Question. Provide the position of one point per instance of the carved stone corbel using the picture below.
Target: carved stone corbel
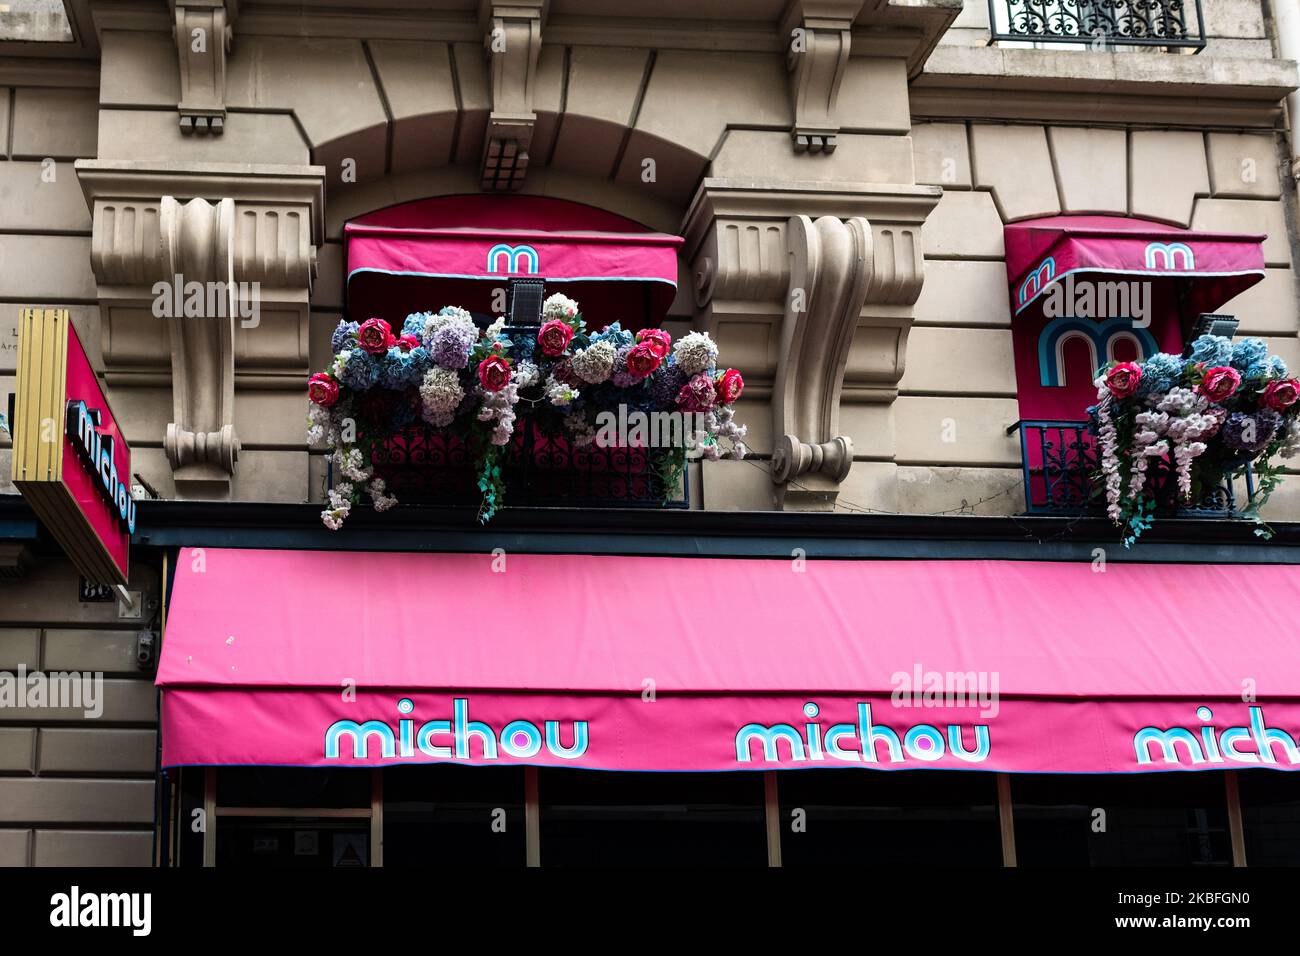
(204, 32)
(819, 41)
(815, 284)
(513, 41)
(831, 265)
(198, 247)
(204, 278)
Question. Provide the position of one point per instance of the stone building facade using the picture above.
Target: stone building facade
(865, 153)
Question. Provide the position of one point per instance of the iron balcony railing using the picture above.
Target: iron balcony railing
(1102, 24)
(1059, 460)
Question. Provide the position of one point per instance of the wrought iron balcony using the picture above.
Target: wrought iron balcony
(542, 468)
(1060, 466)
(1102, 23)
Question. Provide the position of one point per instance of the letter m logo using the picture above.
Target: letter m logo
(517, 259)
(1170, 256)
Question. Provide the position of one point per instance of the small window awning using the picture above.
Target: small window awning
(1198, 271)
(323, 659)
(411, 256)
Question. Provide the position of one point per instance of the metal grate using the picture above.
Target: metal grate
(1102, 24)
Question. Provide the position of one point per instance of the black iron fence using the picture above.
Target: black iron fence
(1100, 23)
(541, 465)
(1060, 462)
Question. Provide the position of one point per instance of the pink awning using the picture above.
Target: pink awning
(1215, 267)
(648, 663)
(578, 250)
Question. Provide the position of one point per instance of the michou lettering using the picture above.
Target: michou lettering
(1176, 744)
(859, 742)
(98, 452)
(519, 739)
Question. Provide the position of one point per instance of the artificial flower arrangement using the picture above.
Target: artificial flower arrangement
(1229, 405)
(442, 370)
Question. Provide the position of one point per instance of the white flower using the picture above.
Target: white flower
(526, 374)
(595, 363)
(381, 501)
(560, 307)
(440, 396)
(695, 352)
(558, 393)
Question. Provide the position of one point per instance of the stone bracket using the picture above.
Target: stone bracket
(189, 260)
(204, 32)
(513, 42)
(819, 39)
(833, 271)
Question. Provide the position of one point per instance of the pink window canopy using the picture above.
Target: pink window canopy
(324, 659)
(1192, 272)
(414, 256)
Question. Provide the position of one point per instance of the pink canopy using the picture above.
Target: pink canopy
(647, 663)
(404, 255)
(1215, 266)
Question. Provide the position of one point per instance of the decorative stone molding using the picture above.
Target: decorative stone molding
(198, 243)
(831, 272)
(247, 236)
(513, 42)
(819, 41)
(204, 32)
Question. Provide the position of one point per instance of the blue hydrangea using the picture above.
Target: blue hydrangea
(1213, 350)
(1247, 353)
(414, 324)
(361, 371)
(1159, 374)
(615, 334)
(1277, 368)
(344, 337)
(401, 369)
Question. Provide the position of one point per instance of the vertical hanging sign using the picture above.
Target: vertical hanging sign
(70, 460)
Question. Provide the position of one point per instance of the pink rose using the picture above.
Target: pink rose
(1122, 379)
(1280, 396)
(729, 386)
(408, 342)
(1219, 383)
(494, 373)
(697, 395)
(322, 389)
(642, 359)
(554, 337)
(659, 340)
(375, 336)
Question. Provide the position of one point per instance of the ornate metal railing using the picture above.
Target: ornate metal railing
(542, 468)
(1059, 461)
(1103, 23)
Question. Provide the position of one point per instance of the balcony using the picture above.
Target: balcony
(1099, 24)
(1060, 465)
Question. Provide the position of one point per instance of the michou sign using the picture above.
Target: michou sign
(70, 460)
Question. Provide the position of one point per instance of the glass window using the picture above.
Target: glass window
(293, 787)
(1147, 819)
(1270, 811)
(604, 818)
(898, 816)
(287, 842)
(444, 813)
